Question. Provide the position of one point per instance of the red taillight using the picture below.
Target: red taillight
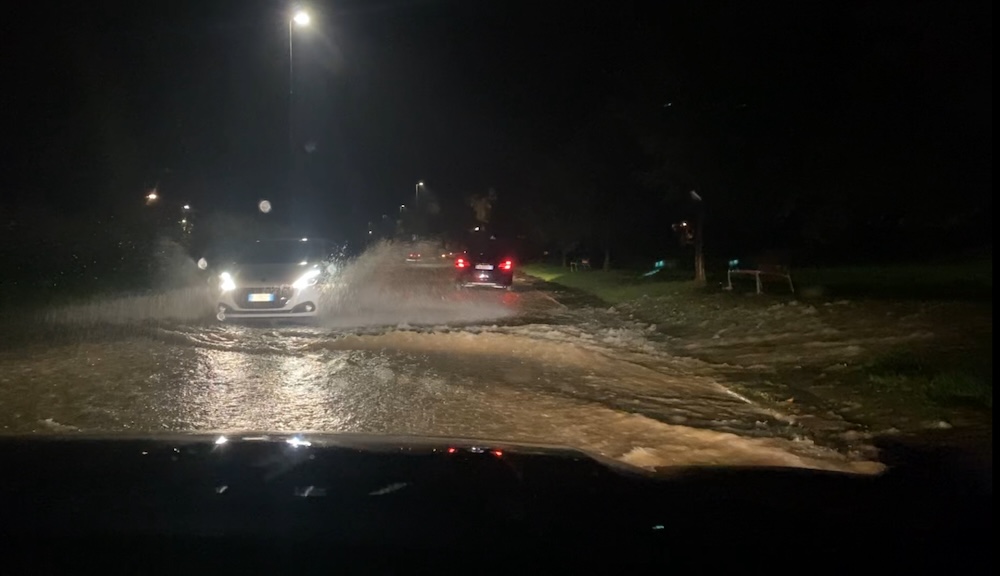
(498, 453)
(460, 263)
(452, 450)
(506, 265)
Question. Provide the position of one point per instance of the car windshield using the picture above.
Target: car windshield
(737, 233)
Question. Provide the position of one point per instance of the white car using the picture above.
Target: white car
(275, 279)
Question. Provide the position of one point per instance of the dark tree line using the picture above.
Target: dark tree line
(836, 134)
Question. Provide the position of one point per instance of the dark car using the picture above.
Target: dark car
(488, 268)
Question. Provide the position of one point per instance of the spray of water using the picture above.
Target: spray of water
(381, 288)
(377, 288)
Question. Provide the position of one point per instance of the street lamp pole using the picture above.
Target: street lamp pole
(300, 18)
(416, 194)
(699, 238)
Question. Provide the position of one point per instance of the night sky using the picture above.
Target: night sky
(779, 111)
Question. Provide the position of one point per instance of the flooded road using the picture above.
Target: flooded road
(400, 354)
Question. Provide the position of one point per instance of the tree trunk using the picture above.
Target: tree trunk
(699, 254)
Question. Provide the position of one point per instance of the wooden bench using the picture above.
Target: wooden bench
(759, 272)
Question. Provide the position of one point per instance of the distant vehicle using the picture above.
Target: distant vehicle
(275, 279)
(414, 257)
(491, 268)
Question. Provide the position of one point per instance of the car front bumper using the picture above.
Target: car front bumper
(287, 302)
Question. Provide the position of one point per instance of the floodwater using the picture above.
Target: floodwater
(398, 350)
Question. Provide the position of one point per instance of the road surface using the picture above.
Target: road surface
(397, 351)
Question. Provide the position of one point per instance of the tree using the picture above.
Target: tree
(482, 205)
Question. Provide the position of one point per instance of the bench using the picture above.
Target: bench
(759, 272)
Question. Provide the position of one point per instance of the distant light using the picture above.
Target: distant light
(186, 207)
(221, 440)
(151, 197)
(184, 220)
(369, 232)
(297, 441)
(421, 183)
(452, 450)
(264, 206)
(476, 228)
(202, 263)
(402, 206)
(498, 453)
(305, 239)
(695, 196)
(301, 18)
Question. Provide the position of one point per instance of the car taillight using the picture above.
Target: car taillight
(506, 265)
(460, 263)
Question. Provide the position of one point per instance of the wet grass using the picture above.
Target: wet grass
(962, 381)
(615, 286)
(970, 280)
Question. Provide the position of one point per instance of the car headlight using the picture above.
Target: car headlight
(308, 279)
(227, 282)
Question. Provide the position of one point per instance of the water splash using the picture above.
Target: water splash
(377, 288)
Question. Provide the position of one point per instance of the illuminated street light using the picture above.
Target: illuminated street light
(152, 196)
(416, 195)
(264, 206)
(300, 19)
(186, 207)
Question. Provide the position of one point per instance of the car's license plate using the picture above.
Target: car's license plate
(260, 298)
(484, 266)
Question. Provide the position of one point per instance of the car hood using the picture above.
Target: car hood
(438, 494)
(270, 273)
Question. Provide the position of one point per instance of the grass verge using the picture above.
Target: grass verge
(964, 381)
(615, 286)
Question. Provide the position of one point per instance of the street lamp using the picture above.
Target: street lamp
(298, 19)
(401, 208)
(416, 195)
(301, 19)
